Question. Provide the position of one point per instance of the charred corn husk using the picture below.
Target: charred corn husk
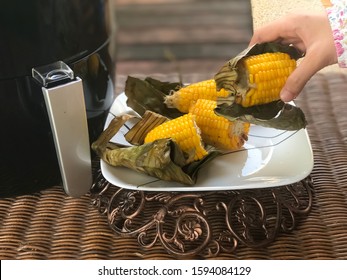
(257, 75)
(148, 122)
(218, 131)
(183, 98)
(184, 131)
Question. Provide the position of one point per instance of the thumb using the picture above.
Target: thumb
(299, 77)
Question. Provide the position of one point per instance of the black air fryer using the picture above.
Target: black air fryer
(56, 87)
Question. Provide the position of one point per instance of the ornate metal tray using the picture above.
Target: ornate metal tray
(189, 224)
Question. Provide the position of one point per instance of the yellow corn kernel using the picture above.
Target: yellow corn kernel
(186, 96)
(184, 131)
(216, 130)
(267, 74)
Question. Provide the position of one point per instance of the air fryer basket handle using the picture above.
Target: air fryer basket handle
(65, 105)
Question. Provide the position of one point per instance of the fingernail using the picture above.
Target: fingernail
(286, 95)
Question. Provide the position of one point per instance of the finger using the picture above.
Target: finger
(268, 33)
(300, 76)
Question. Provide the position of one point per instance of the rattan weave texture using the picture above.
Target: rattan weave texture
(50, 225)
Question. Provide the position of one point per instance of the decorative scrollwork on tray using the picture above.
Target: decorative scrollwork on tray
(190, 224)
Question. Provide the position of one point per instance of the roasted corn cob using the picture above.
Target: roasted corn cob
(267, 74)
(183, 98)
(255, 79)
(218, 131)
(184, 131)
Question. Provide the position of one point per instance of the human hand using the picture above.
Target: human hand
(311, 34)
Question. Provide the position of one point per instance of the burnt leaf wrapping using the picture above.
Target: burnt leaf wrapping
(149, 95)
(276, 114)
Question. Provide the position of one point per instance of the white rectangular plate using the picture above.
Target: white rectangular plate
(270, 158)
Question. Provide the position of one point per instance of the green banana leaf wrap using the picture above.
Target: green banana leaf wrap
(233, 77)
(162, 158)
(149, 94)
(276, 114)
(149, 120)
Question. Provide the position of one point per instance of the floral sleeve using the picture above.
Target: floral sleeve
(337, 15)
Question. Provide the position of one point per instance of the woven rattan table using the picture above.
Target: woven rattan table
(307, 220)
